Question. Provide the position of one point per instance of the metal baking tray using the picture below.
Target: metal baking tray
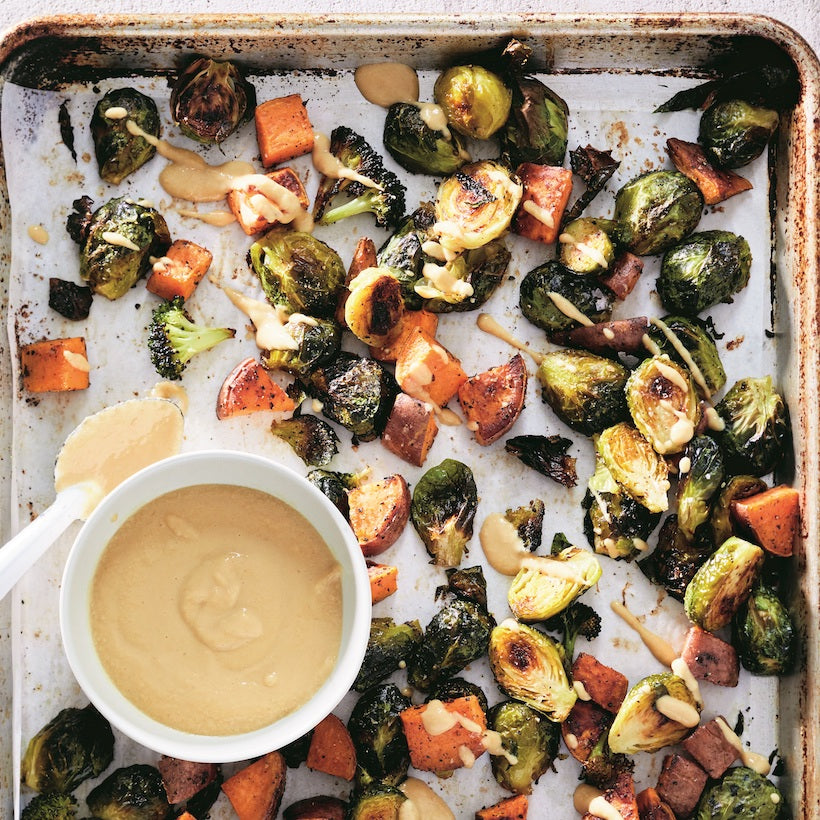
(606, 67)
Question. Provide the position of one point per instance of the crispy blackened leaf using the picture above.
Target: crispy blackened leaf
(468, 583)
(79, 221)
(595, 168)
(69, 299)
(66, 129)
(547, 455)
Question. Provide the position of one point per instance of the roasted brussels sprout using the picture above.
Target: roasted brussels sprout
(757, 433)
(656, 210)
(737, 487)
(673, 332)
(389, 644)
(763, 634)
(544, 289)
(355, 392)
(740, 792)
(722, 584)
(547, 455)
(74, 745)
(211, 99)
(548, 585)
(584, 390)
(298, 271)
(635, 465)
(118, 151)
(468, 583)
(311, 438)
(703, 270)
(454, 688)
(318, 341)
(376, 730)
(475, 205)
(131, 793)
(641, 726)
(698, 483)
(527, 666)
(374, 307)
(585, 246)
(615, 524)
(51, 806)
(335, 486)
(733, 132)
(475, 100)
(379, 801)
(117, 244)
(663, 403)
(442, 511)
(456, 636)
(532, 741)
(417, 146)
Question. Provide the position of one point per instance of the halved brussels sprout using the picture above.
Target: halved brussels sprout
(584, 390)
(733, 132)
(311, 438)
(532, 741)
(635, 465)
(468, 583)
(763, 634)
(656, 210)
(738, 487)
(318, 341)
(548, 585)
(374, 307)
(475, 205)
(389, 644)
(639, 726)
(585, 245)
(703, 270)
(527, 666)
(378, 801)
(663, 403)
(118, 151)
(475, 101)
(720, 587)
(741, 792)
(698, 484)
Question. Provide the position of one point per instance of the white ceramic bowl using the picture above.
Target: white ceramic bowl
(212, 467)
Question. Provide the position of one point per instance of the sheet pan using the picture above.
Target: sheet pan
(612, 72)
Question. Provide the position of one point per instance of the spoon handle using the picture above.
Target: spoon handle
(21, 553)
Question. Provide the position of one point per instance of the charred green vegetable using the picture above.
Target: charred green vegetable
(733, 132)
(442, 511)
(131, 793)
(467, 583)
(317, 342)
(763, 634)
(377, 802)
(547, 455)
(377, 733)
(117, 242)
(640, 726)
(527, 737)
(656, 210)
(298, 271)
(603, 766)
(724, 582)
(585, 293)
(740, 792)
(737, 487)
(584, 390)
(454, 688)
(389, 644)
(528, 521)
(69, 299)
(527, 666)
(578, 620)
(475, 101)
(51, 806)
(75, 745)
(118, 151)
(703, 270)
(757, 433)
(595, 168)
(311, 438)
(585, 246)
(211, 99)
(698, 483)
(335, 486)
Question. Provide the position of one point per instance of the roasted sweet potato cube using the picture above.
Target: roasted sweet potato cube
(710, 658)
(322, 807)
(248, 388)
(426, 370)
(606, 686)
(55, 365)
(622, 797)
(583, 728)
(626, 271)
(618, 336)
(547, 189)
(256, 791)
(710, 748)
(410, 429)
(410, 320)
(651, 807)
(383, 581)
(379, 512)
(511, 808)
(180, 270)
(715, 184)
(283, 130)
(254, 211)
(772, 518)
(680, 784)
(183, 779)
(331, 749)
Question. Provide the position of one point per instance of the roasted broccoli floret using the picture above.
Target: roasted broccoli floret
(577, 619)
(174, 339)
(385, 202)
(603, 766)
(52, 806)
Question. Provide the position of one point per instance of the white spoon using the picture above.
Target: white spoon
(104, 450)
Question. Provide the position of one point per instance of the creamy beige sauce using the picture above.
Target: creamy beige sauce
(568, 309)
(114, 238)
(38, 233)
(684, 353)
(446, 416)
(466, 756)
(488, 324)
(662, 650)
(538, 213)
(584, 249)
(581, 690)
(682, 670)
(438, 719)
(502, 546)
(270, 321)
(442, 283)
(422, 802)
(672, 375)
(678, 710)
(204, 613)
(609, 333)
(713, 419)
(172, 391)
(384, 84)
(115, 443)
(599, 807)
(219, 219)
(554, 568)
(77, 361)
(752, 760)
(116, 112)
(571, 740)
(650, 344)
(684, 465)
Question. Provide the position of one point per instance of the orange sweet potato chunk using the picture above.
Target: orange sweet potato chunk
(331, 749)
(283, 130)
(249, 389)
(547, 188)
(772, 517)
(511, 808)
(256, 791)
(254, 211)
(55, 365)
(180, 270)
(426, 370)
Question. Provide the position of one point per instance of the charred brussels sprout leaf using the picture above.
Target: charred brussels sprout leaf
(211, 99)
(312, 439)
(584, 390)
(298, 271)
(475, 100)
(698, 484)
(417, 147)
(528, 522)
(317, 342)
(454, 688)
(376, 730)
(378, 801)
(586, 293)
(639, 726)
(757, 433)
(721, 586)
(112, 268)
(69, 299)
(595, 168)
(131, 793)
(763, 633)
(74, 745)
(388, 645)
(442, 511)
(527, 737)
(741, 792)
(585, 246)
(527, 666)
(737, 487)
(733, 133)
(656, 210)
(547, 455)
(467, 583)
(703, 270)
(118, 151)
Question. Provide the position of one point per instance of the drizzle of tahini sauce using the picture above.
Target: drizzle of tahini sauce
(502, 545)
(568, 309)
(752, 760)
(38, 233)
(660, 648)
(114, 238)
(684, 353)
(588, 799)
(173, 392)
(116, 112)
(329, 165)
(682, 670)
(422, 802)
(218, 219)
(713, 419)
(678, 710)
(442, 283)
(77, 360)
(386, 83)
(538, 213)
(584, 249)
(488, 324)
(270, 321)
